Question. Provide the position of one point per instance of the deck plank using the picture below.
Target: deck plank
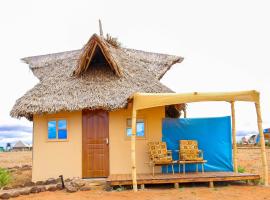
(125, 179)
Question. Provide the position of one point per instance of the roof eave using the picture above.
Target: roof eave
(175, 61)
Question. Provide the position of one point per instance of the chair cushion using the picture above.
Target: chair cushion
(189, 150)
(158, 153)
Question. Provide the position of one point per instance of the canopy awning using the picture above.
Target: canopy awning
(149, 100)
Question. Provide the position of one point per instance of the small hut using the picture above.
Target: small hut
(81, 108)
(95, 109)
(21, 146)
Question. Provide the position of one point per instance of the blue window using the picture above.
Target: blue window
(52, 130)
(140, 128)
(57, 129)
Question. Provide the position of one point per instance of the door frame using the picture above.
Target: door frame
(108, 151)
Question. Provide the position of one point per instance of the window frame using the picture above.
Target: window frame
(57, 139)
(137, 137)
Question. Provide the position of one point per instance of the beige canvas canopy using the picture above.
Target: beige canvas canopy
(149, 100)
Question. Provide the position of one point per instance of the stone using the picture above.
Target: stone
(70, 188)
(18, 186)
(85, 188)
(7, 188)
(42, 188)
(40, 183)
(50, 181)
(68, 180)
(52, 188)
(25, 191)
(28, 184)
(5, 195)
(58, 180)
(26, 167)
(59, 186)
(34, 189)
(15, 193)
(78, 183)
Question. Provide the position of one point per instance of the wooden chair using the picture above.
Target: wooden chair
(159, 155)
(190, 154)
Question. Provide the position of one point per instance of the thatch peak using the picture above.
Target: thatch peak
(94, 47)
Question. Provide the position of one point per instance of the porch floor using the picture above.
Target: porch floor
(125, 179)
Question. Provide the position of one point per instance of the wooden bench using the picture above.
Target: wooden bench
(184, 162)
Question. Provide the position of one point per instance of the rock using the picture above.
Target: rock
(26, 167)
(59, 186)
(7, 188)
(40, 183)
(78, 183)
(70, 188)
(85, 188)
(25, 191)
(52, 188)
(35, 189)
(58, 180)
(68, 180)
(28, 184)
(5, 195)
(50, 181)
(15, 193)
(108, 188)
(17, 186)
(42, 188)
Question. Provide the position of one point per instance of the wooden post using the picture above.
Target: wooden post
(262, 143)
(133, 151)
(100, 28)
(211, 184)
(235, 161)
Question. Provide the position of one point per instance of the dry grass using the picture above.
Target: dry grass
(12, 159)
(20, 177)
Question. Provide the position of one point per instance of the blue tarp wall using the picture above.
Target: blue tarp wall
(213, 136)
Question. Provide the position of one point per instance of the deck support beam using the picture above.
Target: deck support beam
(211, 184)
(235, 159)
(133, 150)
(262, 143)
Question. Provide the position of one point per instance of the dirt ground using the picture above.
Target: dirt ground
(12, 159)
(235, 192)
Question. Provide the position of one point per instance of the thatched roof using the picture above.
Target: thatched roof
(20, 144)
(73, 80)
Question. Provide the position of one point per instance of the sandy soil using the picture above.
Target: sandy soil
(187, 193)
(11, 159)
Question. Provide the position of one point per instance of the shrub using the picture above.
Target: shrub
(4, 177)
(241, 169)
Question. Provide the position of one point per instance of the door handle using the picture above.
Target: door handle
(107, 140)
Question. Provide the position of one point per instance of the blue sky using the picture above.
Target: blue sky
(225, 45)
(13, 133)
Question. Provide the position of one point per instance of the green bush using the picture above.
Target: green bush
(241, 169)
(4, 177)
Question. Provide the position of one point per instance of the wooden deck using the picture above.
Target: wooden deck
(125, 179)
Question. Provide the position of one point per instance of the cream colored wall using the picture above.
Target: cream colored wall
(120, 155)
(52, 158)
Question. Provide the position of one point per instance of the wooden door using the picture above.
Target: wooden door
(95, 143)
